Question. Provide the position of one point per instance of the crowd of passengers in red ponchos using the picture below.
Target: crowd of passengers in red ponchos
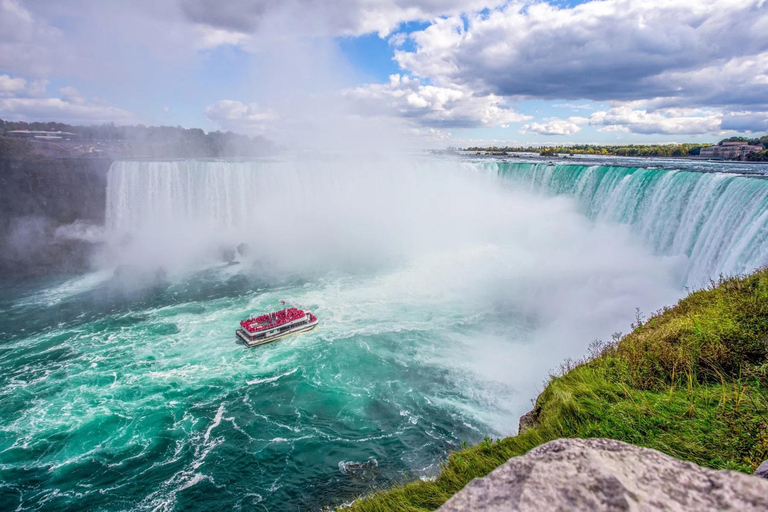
(276, 319)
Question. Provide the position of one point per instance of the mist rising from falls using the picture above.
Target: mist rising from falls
(719, 221)
(436, 235)
(360, 212)
(448, 235)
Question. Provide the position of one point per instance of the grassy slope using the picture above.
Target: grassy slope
(691, 382)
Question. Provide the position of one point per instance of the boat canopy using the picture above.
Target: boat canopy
(276, 319)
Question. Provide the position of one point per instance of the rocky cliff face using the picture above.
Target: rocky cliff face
(37, 198)
(607, 475)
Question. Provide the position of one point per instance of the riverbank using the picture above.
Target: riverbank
(691, 382)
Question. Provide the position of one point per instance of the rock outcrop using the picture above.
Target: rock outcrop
(762, 471)
(607, 475)
(531, 418)
(527, 420)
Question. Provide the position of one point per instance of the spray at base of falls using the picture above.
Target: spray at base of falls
(719, 221)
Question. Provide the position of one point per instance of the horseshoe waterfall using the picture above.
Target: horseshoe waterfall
(447, 289)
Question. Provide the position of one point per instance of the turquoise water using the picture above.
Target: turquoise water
(718, 220)
(115, 403)
(445, 295)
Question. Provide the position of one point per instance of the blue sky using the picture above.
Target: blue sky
(445, 72)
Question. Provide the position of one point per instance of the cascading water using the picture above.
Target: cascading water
(444, 294)
(719, 221)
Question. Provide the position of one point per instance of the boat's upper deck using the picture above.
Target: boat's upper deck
(281, 318)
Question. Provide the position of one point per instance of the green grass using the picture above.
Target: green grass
(691, 382)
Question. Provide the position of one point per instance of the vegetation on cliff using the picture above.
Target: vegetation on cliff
(691, 382)
(642, 150)
(755, 141)
(140, 141)
(758, 156)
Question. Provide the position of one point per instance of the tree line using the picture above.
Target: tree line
(664, 150)
(174, 140)
(641, 150)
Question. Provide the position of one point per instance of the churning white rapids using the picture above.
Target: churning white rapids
(446, 291)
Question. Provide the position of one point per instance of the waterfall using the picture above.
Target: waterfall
(718, 220)
(215, 193)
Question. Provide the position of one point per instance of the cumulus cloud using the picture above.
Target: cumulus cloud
(17, 86)
(667, 121)
(63, 110)
(319, 17)
(632, 117)
(647, 60)
(429, 105)
(22, 100)
(27, 43)
(102, 41)
(240, 117)
(210, 37)
(752, 122)
(10, 85)
(598, 50)
(555, 126)
(739, 82)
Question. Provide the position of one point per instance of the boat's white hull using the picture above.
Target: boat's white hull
(255, 341)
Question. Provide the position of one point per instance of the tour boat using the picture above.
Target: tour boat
(267, 328)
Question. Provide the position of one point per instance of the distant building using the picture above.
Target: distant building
(41, 135)
(734, 150)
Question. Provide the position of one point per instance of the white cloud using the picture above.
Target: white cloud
(750, 122)
(600, 50)
(240, 117)
(27, 43)
(209, 37)
(11, 86)
(555, 126)
(472, 60)
(634, 117)
(319, 17)
(17, 86)
(72, 95)
(397, 40)
(428, 105)
(60, 109)
(665, 121)
(741, 81)
(23, 100)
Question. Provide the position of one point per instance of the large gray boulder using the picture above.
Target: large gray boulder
(605, 475)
